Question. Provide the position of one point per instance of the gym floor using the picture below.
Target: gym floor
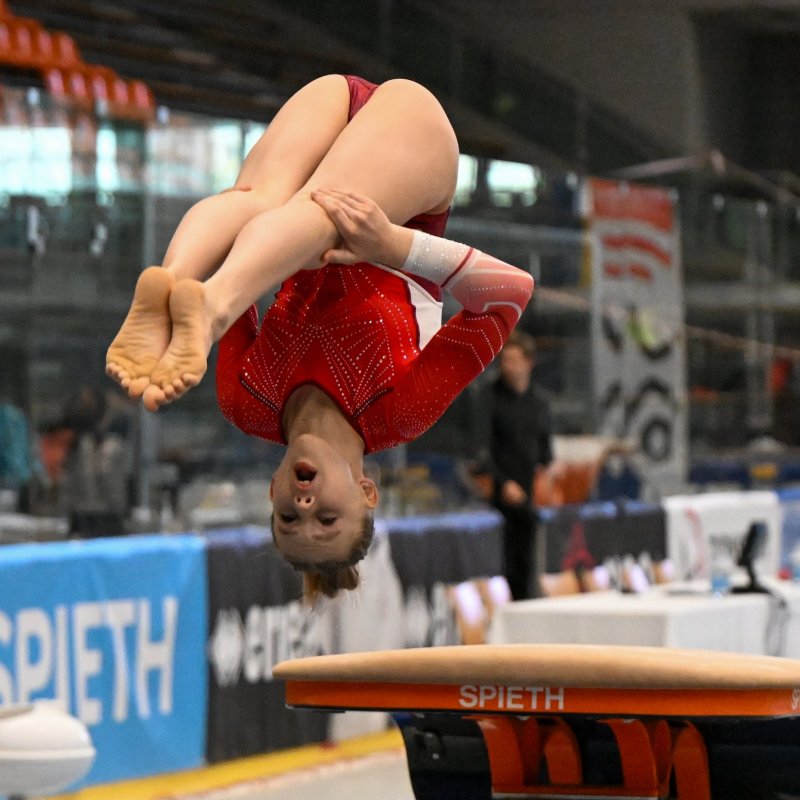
(366, 766)
(381, 775)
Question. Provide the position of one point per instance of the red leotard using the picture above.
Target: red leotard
(368, 336)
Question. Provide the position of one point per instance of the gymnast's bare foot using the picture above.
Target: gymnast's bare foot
(144, 335)
(185, 360)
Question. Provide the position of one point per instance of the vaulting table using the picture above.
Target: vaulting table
(491, 721)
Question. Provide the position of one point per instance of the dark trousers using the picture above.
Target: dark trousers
(519, 537)
(94, 524)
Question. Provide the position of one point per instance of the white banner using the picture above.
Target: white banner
(638, 349)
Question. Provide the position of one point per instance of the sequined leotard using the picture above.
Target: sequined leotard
(370, 337)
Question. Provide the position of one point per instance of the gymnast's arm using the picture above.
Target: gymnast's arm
(481, 283)
(493, 295)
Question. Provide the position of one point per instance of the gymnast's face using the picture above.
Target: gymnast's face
(318, 502)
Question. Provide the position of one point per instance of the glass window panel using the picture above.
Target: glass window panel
(252, 133)
(512, 184)
(193, 157)
(35, 145)
(107, 172)
(466, 180)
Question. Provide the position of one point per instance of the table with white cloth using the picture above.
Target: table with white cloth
(683, 617)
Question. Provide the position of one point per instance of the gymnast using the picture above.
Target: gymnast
(341, 203)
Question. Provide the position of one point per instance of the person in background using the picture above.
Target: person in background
(519, 446)
(97, 466)
(16, 460)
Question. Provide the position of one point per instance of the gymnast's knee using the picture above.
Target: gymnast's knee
(302, 199)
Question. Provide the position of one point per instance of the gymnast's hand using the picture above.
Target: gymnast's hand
(366, 232)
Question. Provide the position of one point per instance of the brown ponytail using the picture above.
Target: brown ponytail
(328, 578)
(328, 583)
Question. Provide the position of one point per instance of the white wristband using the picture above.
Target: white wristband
(481, 283)
(434, 258)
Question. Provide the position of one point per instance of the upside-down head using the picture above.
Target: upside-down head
(322, 518)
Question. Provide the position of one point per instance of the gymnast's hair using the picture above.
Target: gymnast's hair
(328, 578)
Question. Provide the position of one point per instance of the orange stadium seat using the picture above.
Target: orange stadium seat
(15, 47)
(120, 92)
(41, 47)
(77, 86)
(24, 43)
(130, 99)
(64, 50)
(54, 82)
(5, 39)
(101, 84)
(85, 85)
(24, 36)
(141, 96)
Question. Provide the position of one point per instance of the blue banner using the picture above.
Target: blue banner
(114, 629)
(790, 533)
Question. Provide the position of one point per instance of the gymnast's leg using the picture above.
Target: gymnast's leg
(400, 150)
(278, 165)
